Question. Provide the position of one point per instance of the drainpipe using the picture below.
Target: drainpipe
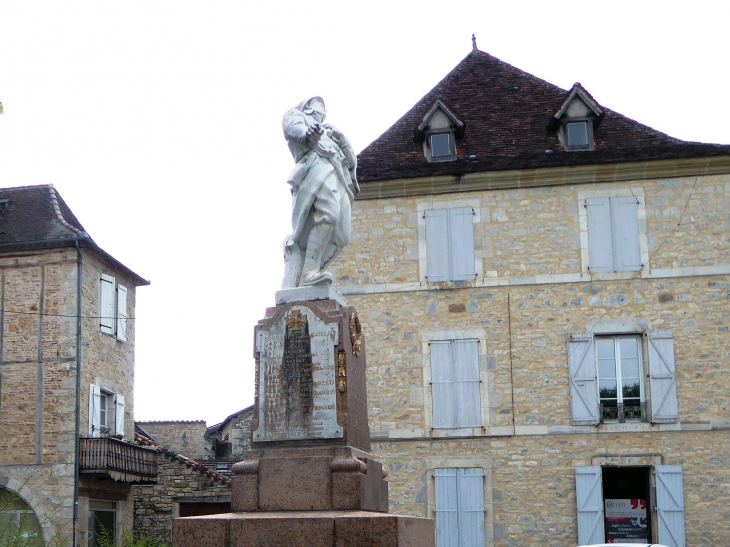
(77, 443)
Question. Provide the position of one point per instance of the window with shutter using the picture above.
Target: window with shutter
(94, 410)
(121, 313)
(455, 383)
(670, 505)
(106, 305)
(662, 377)
(459, 507)
(119, 415)
(613, 234)
(582, 373)
(450, 244)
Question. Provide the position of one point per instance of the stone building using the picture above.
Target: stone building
(67, 312)
(231, 439)
(180, 436)
(544, 288)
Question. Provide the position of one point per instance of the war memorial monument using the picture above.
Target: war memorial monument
(309, 478)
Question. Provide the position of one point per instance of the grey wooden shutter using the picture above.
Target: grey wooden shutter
(589, 501)
(470, 505)
(600, 245)
(437, 245)
(121, 313)
(625, 230)
(119, 415)
(670, 505)
(447, 518)
(583, 386)
(442, 385)
(461, 243)
(465, 366)
(662, 377)
(94, 411)
(106, 305)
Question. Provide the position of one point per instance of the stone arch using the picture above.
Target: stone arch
(25, 495)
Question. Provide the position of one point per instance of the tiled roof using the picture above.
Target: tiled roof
(142, 439)
(219, 426)
(506, 112)
(37, 217)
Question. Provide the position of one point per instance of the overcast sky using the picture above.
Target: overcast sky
(160, 125)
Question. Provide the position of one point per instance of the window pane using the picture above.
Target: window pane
(577, 134)
(604, 347)
(440, 145)
(629, 348)
(631, 389)
(608, 389)
(629, 368)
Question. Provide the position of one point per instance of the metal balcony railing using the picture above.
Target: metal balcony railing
(622, 412)
(121, 461)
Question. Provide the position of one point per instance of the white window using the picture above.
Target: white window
(620, 378)
(113, 308)
(604, 373)
(459, 507)
(455, 384)
(613, 234)
(102, 523)
(106, 412)
(450, 244)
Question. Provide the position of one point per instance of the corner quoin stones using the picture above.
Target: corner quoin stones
(298, 379)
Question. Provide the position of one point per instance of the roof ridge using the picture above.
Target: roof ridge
(57, 210)
(183, 460)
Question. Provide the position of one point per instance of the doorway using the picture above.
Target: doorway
(627, 504)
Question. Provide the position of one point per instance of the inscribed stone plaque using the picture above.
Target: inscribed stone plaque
(297, 378)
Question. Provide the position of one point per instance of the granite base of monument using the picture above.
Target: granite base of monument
(309, 478)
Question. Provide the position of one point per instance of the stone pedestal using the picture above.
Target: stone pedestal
(309, 478)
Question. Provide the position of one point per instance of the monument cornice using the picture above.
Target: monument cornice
(550, 176)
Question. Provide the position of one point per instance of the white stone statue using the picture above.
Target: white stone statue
(323, 187)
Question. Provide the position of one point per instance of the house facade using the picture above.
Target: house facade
(544, 286)
(67, 311)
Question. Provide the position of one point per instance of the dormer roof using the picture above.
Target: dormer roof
(439, 106)
(506, 111)
(577, 94)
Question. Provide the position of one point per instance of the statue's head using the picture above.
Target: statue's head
(314, 107)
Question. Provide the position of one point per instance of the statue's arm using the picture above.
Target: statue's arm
(296, 129)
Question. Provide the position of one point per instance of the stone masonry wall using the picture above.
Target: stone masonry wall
(183, 437)
(154, 505)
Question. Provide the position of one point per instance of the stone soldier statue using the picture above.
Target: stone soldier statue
(323, 187)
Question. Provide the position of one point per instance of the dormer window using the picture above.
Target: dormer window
(576, 120)
(438, 133)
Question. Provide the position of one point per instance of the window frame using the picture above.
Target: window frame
(451, 156)
(618, 377)
(567, 146)
(91, 535)
(459, 475)
(113, 305)
(456, 386)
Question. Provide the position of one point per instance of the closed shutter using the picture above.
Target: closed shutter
(600, 246)
(106, 306)
(121, 313)
(470, 505)
(582, 370)
(670, 505)
(465, 365)
(625, 223)
(589, 501)
(447, 518)
(119, 415)
(94, 411)
(662, 377)
(437, 245)
(442, 385)
(461, 243)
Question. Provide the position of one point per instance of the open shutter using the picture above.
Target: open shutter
(106, 307)
(121, 313)
(600, 246)
(447, 518)
(119, 415)
(461, 243)
(470, 505)
(625, 217)
(589, 500)
(94, 411)
(442, 385)
(437, 245)
(662, 378)
(670, 505)
(465, 365)
(582, 371)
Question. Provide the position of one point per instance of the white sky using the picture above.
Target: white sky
(160, 125)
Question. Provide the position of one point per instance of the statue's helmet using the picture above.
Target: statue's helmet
(308, 106)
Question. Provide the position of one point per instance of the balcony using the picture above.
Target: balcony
(619, 412)
(104, 457)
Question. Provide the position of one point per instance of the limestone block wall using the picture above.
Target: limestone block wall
(530, 480)
(182, 437)
(156, 505)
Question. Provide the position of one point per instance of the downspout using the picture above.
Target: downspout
(77, 443)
